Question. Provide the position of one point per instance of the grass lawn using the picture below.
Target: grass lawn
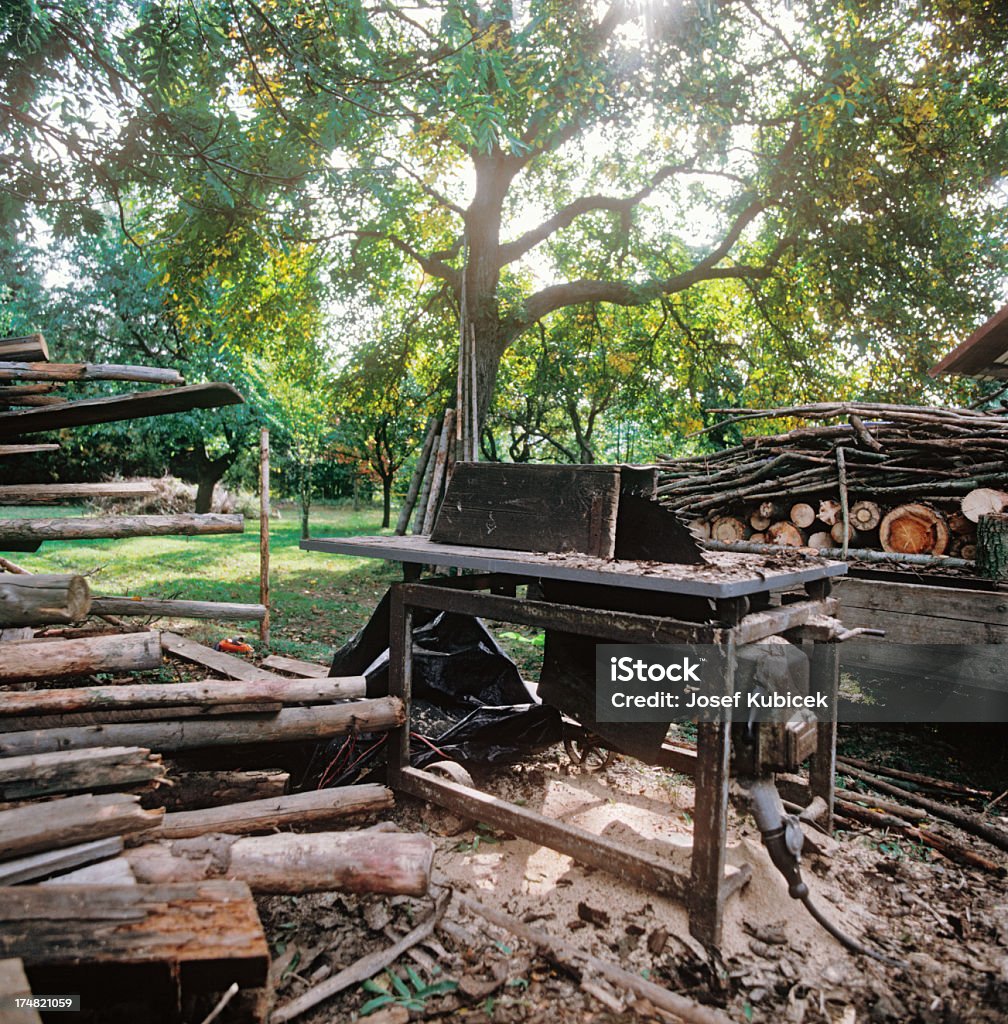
(318, 600)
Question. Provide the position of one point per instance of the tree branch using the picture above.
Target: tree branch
(429, 264)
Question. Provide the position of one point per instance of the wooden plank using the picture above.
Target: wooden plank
(53, 862)
(28, 370)
(219, 611)
(56, 659)
(13, 986)
(262, 687)
(292, 725)
(71, 820)
(185, 524)
(57, 494)
(49, 862)
(27, 449)
(979, 666)
(583, 846)
(69, 771)
(313, 808)
(205, 934)
(217, 661)
(905, 628)
(115, 408)
(296, 667)
(541, 508)
(774, 621)
(965, 606)
(24, 346)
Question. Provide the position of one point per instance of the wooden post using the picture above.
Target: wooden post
(992, 546)
(433, 427)
(264, 539)
(440, 471)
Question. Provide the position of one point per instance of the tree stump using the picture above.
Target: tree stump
(992, 546)
(914, 529)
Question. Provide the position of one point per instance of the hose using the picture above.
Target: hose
(852, 944)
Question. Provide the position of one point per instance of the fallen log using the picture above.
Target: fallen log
(69, 771)
(196, 790)
(38, 866)
(292, 725)
(915, 777)
(124, 716)
(881, 804)
(71, 820)
(137, 939)
(315, 808)
(960, 818)
(26, 369)
(57, 494)
(183, 524)
(42, 600)
(207, 693)
(392, 863)
(57, 659)
(220, 611)
(116, 408)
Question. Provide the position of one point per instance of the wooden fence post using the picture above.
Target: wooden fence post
(264, 540)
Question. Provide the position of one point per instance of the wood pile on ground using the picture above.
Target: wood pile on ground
(131, 848)
(908, 481)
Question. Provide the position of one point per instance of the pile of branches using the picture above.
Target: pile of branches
(848, 484)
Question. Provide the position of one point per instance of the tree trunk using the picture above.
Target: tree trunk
(205, 491)
(386, 501)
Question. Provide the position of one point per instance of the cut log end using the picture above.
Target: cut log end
(802, 515)
(785, 533)
(914, 529)
(983, 501)
(865, 515)
(727, 529)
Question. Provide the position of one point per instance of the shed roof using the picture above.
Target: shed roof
(984, 354)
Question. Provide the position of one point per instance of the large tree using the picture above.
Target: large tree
(527, 160)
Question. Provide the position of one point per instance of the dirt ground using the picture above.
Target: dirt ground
(949, 924)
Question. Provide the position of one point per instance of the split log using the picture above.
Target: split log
(197, 790)
(829, 511)
(184, 524)
(785, 534)
(27, 600)
(819, 540)
(914, 529)
(115, 408)
(108, 938)
(219, 611)
(57, 659)
(54, 862)
(296, 667)
(31, 370)
(292, 725)
(317, 808)
(71, 820)
(58, 494)
(758, 521)
(992, 546)
(982, 501)
(31, 347)
(727, 529)
(69, 771)
(802, 515)
(206, 693)
(392, 863)
(962, 819)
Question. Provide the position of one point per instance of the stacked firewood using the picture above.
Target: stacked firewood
(908, 480)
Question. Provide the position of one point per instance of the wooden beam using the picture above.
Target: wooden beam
(204, 935)
(57, 494)
(315, 808)
(72, 820)
(114, 408)
(70, 771)
(207, 693)
(219, 611)
(24, 346)
(55, 659)
(28, 370)
(292, 725)
(7, 450)
(37, 866)
(217, 661)
(183, 524)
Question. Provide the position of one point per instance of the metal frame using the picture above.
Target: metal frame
(708, 885)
